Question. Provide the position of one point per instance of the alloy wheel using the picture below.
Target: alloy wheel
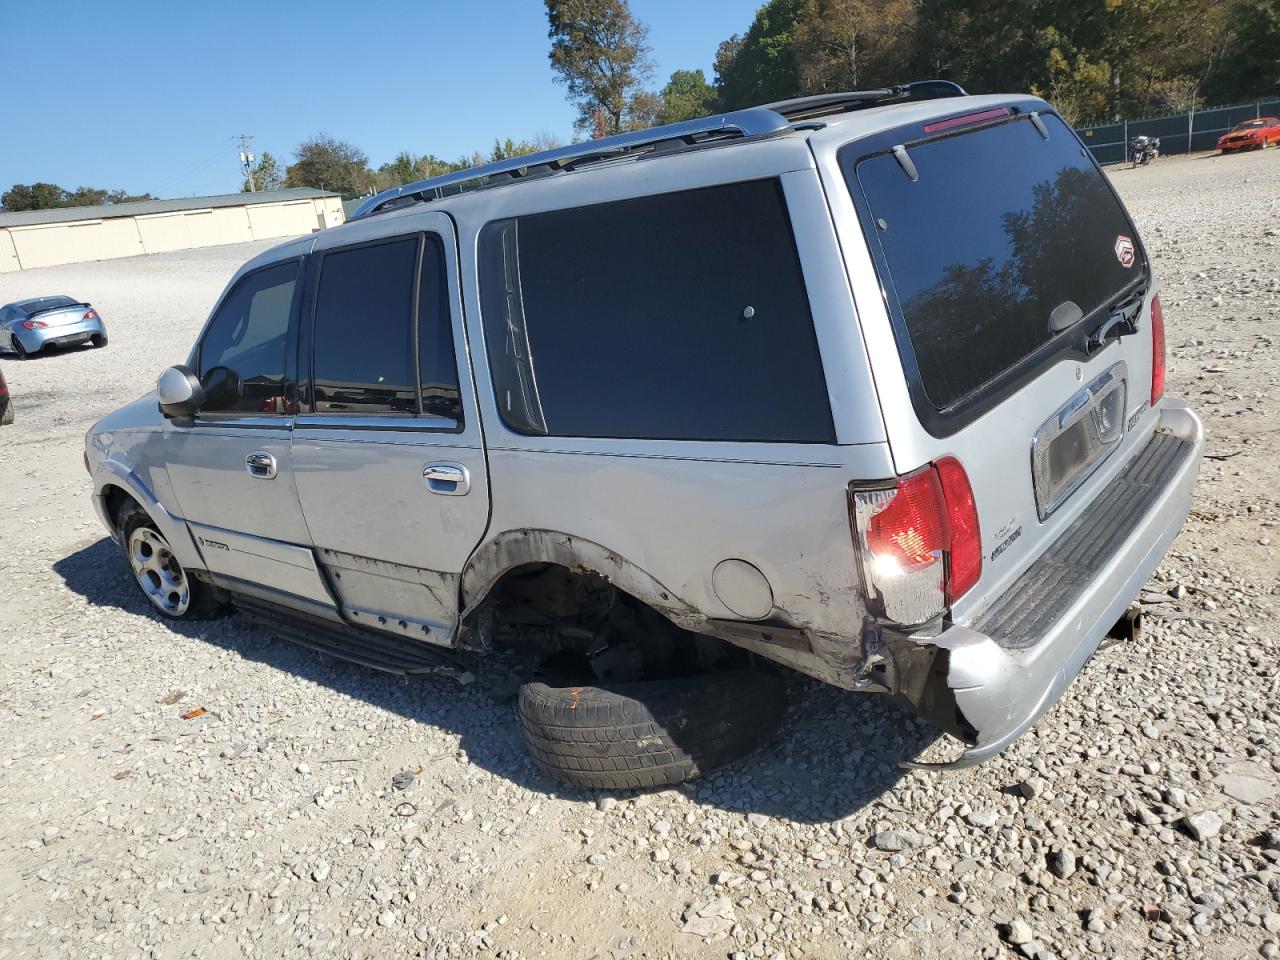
(158, 572)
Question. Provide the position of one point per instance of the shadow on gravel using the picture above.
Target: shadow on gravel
(834, 753)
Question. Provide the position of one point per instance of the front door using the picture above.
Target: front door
(387, 450)
(230, 465)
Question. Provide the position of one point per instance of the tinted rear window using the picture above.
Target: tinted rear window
(31, 308)
(1001, 229)
(680, 316)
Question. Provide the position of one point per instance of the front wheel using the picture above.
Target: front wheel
(171, 591)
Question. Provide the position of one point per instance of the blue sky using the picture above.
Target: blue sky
(145, 95)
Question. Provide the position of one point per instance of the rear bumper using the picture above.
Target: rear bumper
(999, 675)
(65, 335)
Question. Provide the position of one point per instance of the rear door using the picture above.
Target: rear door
(387, 451)
(1002, 255)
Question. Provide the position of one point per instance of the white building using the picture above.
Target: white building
(41, 238)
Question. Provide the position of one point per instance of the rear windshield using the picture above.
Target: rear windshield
(1001, 232)
(45, 304)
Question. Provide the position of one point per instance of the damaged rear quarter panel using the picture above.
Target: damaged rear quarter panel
(657, 522)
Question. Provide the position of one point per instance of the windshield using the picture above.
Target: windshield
(1248, 124)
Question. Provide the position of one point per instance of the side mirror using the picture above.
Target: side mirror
(179, 392)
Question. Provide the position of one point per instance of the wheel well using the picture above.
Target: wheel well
(548, 611)
(114, 498)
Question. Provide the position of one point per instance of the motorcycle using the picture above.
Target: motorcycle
(1143, 149)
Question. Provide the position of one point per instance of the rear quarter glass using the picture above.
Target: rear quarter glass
(1001, 228)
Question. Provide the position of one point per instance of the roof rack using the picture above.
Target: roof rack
(765, 121)
(825, 104)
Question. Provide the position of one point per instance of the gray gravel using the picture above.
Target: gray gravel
(320, 809)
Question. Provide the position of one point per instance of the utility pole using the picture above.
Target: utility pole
(246, 160)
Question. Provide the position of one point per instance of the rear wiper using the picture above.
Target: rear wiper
(1121, 322)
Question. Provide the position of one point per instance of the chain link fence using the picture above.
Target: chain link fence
(1178, 132)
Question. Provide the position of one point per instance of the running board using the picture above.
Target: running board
(368, 648)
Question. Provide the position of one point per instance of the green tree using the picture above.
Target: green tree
(600, 52)
(326, 163)
(506, 149)
(266, 174)
(35, 196)
(120, 196)
(84, 197)
(1251, 66)
(687, 96)
(853, 44)
(644, 107)
(760, 66)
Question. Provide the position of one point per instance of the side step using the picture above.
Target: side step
(368, 648)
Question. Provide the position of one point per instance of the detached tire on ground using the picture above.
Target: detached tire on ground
(651, 734)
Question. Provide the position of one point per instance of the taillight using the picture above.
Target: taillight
(920, 544)
(965, 565)
(1157, 350)
(32, 324)
(91, 315)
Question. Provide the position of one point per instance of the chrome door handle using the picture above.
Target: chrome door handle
(261, 464)
(448, 479)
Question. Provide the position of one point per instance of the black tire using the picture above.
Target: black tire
(205, 602)
(651, 734)
(20, 350)
(99, 340)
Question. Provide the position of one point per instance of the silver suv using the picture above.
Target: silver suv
(870, 385)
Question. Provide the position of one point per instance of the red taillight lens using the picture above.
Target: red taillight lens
(966, 537)
(32, 324)
(1157, 350)
(921, 547)
(91, 315)
(909, 532)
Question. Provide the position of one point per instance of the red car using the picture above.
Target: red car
(1260, 134)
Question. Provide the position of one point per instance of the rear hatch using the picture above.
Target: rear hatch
(1018, 293)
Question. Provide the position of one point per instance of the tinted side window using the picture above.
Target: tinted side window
(363, 341)
(436, 362)
(681, 316)
(242, 356)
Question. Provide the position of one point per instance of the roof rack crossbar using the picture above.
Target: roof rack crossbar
(755, 122)
(766, 121)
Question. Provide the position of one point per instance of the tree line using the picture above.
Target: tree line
(326, 163)
(45, 196)
(1093, 59)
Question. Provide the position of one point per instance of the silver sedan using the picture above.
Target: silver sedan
(29, 326)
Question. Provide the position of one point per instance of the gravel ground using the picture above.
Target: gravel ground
(1138, 819)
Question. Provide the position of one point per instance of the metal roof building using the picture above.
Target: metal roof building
(40, 238)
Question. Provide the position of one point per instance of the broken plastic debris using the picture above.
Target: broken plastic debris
(192, 714)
